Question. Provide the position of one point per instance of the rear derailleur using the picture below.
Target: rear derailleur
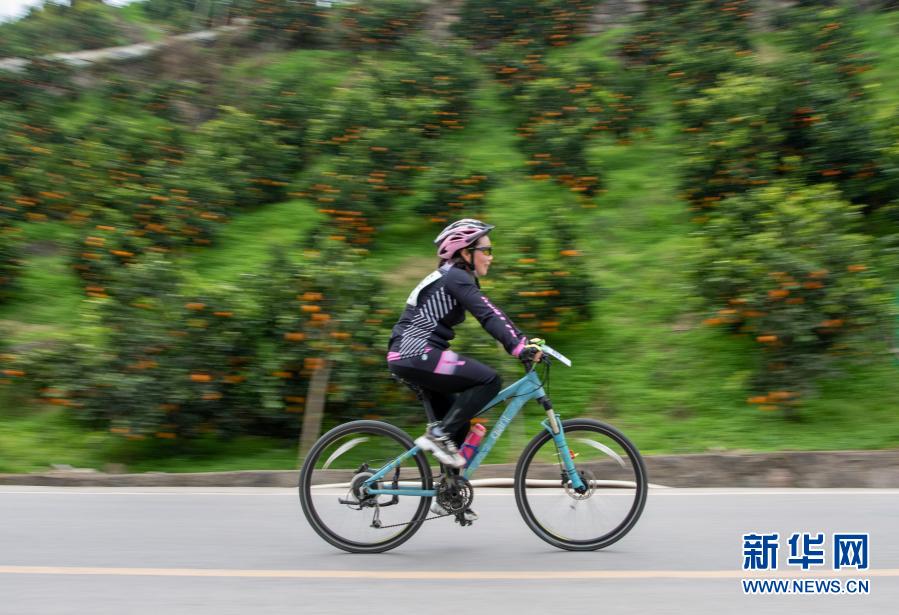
(358, 496)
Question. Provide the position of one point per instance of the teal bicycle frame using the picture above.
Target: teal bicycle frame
(527, 388)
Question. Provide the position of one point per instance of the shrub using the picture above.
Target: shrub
(286, 111)
(378, 24)
(39, 89)
(543, 283)
(517, 34)
(10, 261)
(55, 27)
(784, 264)
(180, 15)
(167, 364)
(735, 139)
(238, 153)
(828, 35)
(829, 127)
(548, 22)
(296, 23)
(453, 193)
(337, 309)
(691, 42)
(794, 119)
(377, 134)
(562, 114)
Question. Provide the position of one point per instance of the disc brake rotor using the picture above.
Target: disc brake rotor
(588, 479)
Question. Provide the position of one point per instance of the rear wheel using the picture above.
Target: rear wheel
(334, 501)
(611, 468)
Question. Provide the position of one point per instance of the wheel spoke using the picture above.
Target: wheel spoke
(333, 493)
(613, 472)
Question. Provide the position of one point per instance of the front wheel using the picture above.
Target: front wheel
(335, 501)
(611, 468)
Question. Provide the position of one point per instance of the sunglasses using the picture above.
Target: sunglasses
(487, 250)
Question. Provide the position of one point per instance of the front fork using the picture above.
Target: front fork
(553, 424)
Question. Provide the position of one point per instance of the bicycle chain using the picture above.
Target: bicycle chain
(384, 527)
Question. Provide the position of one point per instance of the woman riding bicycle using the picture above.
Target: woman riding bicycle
(580, 500)
(458, 386)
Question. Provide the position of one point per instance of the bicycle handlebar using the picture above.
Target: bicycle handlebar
(547, 352)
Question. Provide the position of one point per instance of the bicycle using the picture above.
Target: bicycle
(365, 487)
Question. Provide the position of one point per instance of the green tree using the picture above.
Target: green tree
(237, 152)
(785, 264)
(543, 282)
(294, 23)
(377, 24)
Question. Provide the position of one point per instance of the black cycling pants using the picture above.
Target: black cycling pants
(459, 387)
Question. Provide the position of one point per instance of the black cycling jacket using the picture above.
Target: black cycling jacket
(438, 304)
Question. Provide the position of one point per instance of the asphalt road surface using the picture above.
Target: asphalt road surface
(122, 551)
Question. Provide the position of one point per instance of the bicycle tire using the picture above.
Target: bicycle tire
(313, 512)
(526, 497)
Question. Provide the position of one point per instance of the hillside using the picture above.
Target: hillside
(645, 359)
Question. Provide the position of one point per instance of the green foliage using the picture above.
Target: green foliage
(175, 12)
(548, 22)
(132, 170)
(333, 314)
(172, 365)
(285, 110)
(736, 141)
(794, 119)
(169, 99)
(238, 153)
(39, 88)
(377, 24)
(544, 284)
(830, 37)
(518, 34)
(691, 42)
(558, 126)
(453, 192)
(295, 23)
(562, 113)
(378, 132)
(828, 125)
(54, 27)
(786, 264)
(181, 15)
(10, 261)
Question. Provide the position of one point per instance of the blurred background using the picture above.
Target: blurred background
(206, 238)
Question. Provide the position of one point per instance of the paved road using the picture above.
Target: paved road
(180, 550)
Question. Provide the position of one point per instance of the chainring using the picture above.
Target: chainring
(455, 494)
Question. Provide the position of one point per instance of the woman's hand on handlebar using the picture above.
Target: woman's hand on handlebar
(532, 352)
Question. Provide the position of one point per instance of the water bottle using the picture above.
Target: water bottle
(472, 440)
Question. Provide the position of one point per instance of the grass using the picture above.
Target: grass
(32, 439)
(47, 303)
(880, 31)
(246, 243)
(320, 70)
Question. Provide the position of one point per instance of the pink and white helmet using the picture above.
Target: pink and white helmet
(460, 234)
